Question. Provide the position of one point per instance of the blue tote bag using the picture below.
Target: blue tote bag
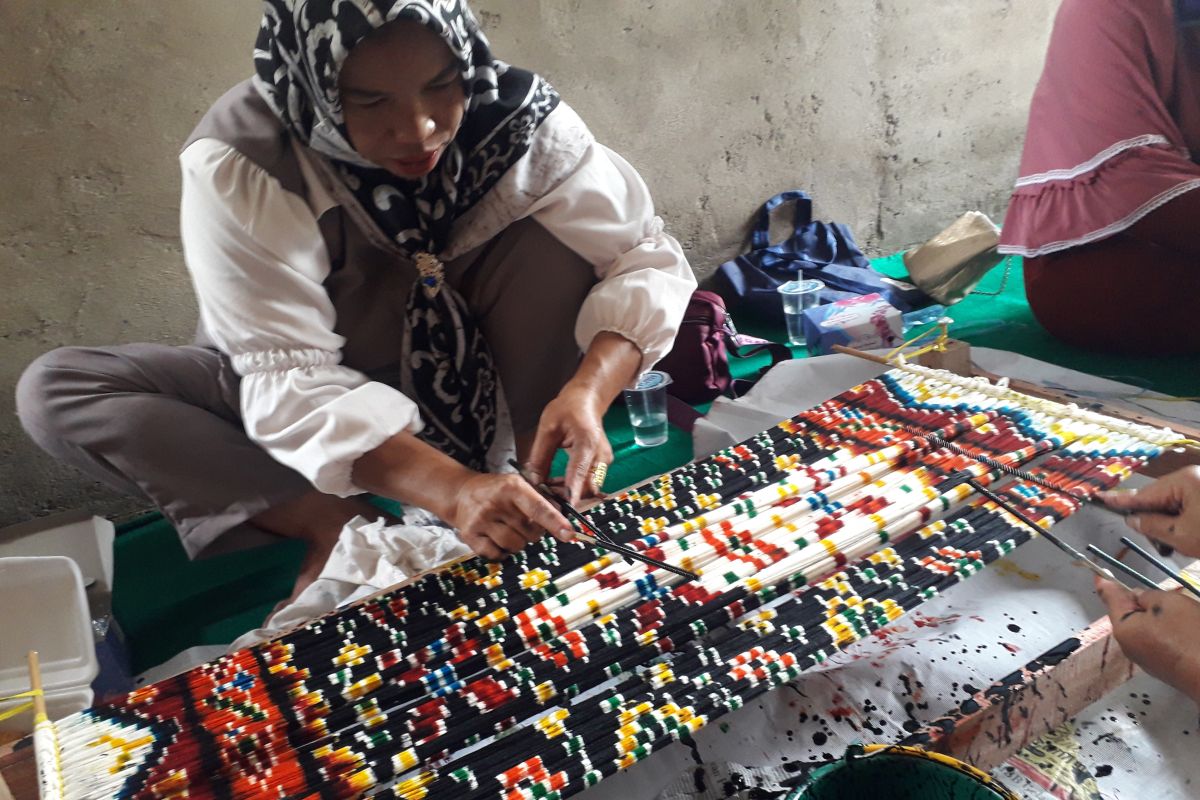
(822, 250)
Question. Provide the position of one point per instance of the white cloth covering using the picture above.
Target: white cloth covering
(368, 558)
(258, 262)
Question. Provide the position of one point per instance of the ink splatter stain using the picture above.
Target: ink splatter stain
(1104, 770)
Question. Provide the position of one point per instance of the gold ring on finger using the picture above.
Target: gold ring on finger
(599, 473)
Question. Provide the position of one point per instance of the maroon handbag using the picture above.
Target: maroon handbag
(699, 362)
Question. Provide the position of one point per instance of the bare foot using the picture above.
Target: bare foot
(317, 519)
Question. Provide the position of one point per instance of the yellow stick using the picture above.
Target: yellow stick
(45, 740)
(35, 684)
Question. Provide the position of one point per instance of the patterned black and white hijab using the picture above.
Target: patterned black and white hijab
(300, 51)
(301, 48)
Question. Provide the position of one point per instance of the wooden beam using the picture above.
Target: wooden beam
(996, 722)
(1025, 705)
(18, 772)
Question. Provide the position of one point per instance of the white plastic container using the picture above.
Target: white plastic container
(43, 607)
(80, 536)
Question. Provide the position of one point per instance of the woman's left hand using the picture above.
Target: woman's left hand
(1155, 630)
(574, 422)
(574, 419)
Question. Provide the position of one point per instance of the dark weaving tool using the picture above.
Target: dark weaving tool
(589, 533)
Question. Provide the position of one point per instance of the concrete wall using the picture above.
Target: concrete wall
(896, 115)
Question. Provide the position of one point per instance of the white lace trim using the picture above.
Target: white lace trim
(1106, 231)
(1093, 162)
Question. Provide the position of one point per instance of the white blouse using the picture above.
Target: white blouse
(258, 261)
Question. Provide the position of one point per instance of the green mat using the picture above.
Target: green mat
(165, 603)
(1004, 322)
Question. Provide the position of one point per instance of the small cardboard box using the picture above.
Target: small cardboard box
(865, 323)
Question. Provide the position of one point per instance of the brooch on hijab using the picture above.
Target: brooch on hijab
(432, 273)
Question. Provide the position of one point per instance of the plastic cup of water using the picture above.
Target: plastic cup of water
(797, 296)
(647, 404)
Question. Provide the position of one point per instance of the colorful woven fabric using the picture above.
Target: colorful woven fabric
(539, 676)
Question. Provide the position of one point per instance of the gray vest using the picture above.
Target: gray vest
(368, 286)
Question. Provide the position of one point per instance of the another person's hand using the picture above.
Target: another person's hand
(1156, 630)
(573, 421)
(497, 515)
(1167, 510)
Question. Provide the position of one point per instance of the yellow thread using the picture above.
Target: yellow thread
(414, 788)
(535, 579)
(351, 655)
(12, 712)
(21, 709)
(365, 686)
(552, 725)
(362, 780)
(405, 760)
(943, 331)
(492, 619)
(631, 714)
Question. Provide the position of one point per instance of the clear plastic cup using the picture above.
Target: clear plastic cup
(797, 296)
(647, 405)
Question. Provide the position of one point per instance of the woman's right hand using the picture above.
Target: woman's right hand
(1167, 510)
(497, 515)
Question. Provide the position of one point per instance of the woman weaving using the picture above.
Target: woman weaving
(384, 228)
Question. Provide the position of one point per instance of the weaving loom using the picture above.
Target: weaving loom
(541, 675)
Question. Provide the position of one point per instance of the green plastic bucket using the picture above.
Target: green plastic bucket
(900, 773)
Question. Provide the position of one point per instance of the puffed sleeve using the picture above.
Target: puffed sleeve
(603, 211)
(257, 262)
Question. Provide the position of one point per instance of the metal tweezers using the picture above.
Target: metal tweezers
(1093, 549)
(588, 533)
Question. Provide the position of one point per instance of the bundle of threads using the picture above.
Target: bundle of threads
(539, 676)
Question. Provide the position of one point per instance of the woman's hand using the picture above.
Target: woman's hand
(494, 514)
(574, 419)
(497, 515)
(574, 422)
(1167, 510)
(1156, 631)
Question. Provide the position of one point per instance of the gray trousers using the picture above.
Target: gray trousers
(163, 422)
